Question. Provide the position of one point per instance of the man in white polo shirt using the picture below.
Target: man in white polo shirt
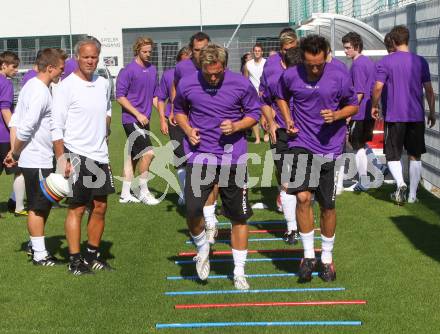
(81, 107)
(32, 146)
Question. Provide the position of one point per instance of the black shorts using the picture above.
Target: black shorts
(308, 172)
(36, 201)
(4, 150)
(360, 132)
(90, 179)
(177, 135)
(139, 139)
(200, 180)
(399, 135)
(280, 148)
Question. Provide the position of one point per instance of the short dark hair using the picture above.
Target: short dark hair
(258, 45)
(288, 29)
(198, 36)
(183, 51)
(355, 40)
(400, 35)
(293, 57)
(8, 58)
(314, 44)
(50, 57)
(389, 45)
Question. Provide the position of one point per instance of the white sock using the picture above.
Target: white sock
(361, 163)
(327, 249)
(201, 242)
(396, 170)
(181, 176)
(288, 203)
(415, 174)
(308, 241)
(373, 157)
(126, 186)
(19, 191)
(209, 215)
(239, 261)
(39, 248)
(340, 182)
(143, 184)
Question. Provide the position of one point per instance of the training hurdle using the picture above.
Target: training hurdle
(275, 259)
(193, 278)
(233, 292)
(252, 251)
(270, 304)
(259, 324)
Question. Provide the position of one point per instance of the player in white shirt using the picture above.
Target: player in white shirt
(32, 145)
(253, 70)
(81, 106)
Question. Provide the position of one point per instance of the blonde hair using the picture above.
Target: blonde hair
(140, 42)
(212, 54)
(288, 37)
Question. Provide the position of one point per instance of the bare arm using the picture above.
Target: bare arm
(430, 98)
(7, 114)
(192, 133)
(161, 105)
(125, 103)
(377, 92)
(285, 113)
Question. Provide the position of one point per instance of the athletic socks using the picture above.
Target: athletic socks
(308, 241)
(126, 186)
(201, 242)
(19, 191)
(362, 165)
(415, 173)
(327, 249)
(209, 215)
(143, 184)
(288, 203)
(39, 248)
(181, 176)
(239, 261)
(91, 253)
(396, 170)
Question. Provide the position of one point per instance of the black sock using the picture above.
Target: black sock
(91, 253)
(75, 257)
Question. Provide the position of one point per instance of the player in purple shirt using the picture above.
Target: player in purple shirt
(270, 78)
(135, 90)
(214, 107)
(362, 73)
(70, 67)
(406, 75)
(187, 67)
(9, 62)
(272, 68)
(323, 98)
(168, 127)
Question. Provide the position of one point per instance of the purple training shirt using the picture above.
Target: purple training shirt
(184, 68)
(27, 76)
(6, 101)
(404, 74)
(332, 91)
(339, 64)
(138, 84)
(70, 66)
(207, 107)
(362, 74)
(164, 91)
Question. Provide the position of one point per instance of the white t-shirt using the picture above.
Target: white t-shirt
(32, 120)
(255, 71)
(80, 109)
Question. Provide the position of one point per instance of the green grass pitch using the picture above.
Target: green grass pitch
(385, 254)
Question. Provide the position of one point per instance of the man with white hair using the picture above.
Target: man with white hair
(81, 110)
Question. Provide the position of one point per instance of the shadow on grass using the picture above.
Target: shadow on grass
(54, 246)
(423, 235)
